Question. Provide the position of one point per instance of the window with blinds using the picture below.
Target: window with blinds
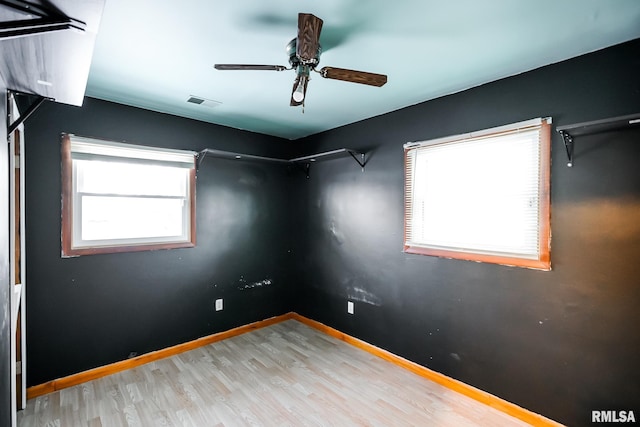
(482, 196)
(122, 197)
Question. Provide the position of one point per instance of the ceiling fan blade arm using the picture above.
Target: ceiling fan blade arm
(308, 42)
(353, 76)
(235, 67)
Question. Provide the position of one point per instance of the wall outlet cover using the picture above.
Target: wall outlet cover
(219, 304)
(350, 307)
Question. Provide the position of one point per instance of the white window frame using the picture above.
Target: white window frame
(76, 150)
(536, 259)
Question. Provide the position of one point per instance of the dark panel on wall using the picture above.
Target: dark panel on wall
(560, 343)
(93, 310)
(5, 295)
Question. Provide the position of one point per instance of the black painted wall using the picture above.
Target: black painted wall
(5, 295)
(560, 343)
(94, 310)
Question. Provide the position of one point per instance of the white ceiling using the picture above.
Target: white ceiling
(155, 54)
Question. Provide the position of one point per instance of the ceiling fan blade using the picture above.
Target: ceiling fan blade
(309, 27)
(353, 76)
(249, 67)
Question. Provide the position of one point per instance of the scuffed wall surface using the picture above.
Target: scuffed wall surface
(93, 310)
(560, 343)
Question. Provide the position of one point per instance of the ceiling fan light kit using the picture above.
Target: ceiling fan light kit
(304, 56)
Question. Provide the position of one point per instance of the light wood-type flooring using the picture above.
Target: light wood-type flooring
(287, 374)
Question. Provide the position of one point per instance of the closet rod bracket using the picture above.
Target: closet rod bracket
(25, 115)
(361, 161)
(568, 145)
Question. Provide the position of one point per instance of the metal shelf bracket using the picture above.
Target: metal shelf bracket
(327, 155)
(362, 162)
(24, 116)
(568, 145)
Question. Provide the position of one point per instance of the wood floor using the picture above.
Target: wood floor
(287, 374)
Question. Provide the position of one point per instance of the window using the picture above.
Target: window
(482, 196)
(121, 198)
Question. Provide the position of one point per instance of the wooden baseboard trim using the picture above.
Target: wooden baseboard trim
(455, 385)
(123, 365)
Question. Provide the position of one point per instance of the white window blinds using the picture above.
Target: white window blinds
(480, 193)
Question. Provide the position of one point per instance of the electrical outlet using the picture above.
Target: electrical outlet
(350, 307)
(219, 304)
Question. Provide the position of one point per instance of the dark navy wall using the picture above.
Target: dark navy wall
(94, 310)
(560, 343)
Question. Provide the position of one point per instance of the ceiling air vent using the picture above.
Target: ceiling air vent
(203, 101)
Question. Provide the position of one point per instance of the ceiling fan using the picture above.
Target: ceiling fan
(304, 55)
